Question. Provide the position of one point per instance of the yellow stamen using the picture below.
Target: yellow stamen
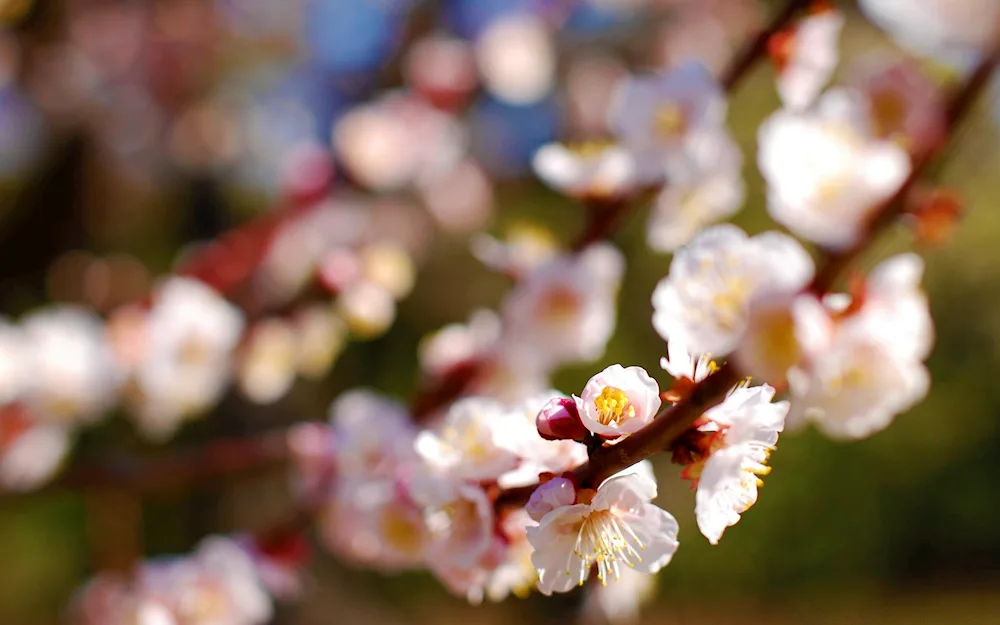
(613, 406)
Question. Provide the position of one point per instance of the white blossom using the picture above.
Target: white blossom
(680, 363)
(565, 310)
(372, 433)
(267, 369)
(618, 603)
(537, 455)
(950, 30)
(810, 59)
(374, 522)
(707, 186)
(861, 368)
(459, 343)
(704, 302)
(517, 58)
(30, 451)
(474, 442)
(825, 174)
(191, 334)
(598, 171)
(618, 528)
(618, 401)
(71, 374)
(741, 432)
(655, 114)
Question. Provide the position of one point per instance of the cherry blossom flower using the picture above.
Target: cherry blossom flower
(191, 333)
(375, 522)
(617, 527)
(680, 363)
(905, 105)
(459, 517)
(806, 57)
(565, 310)
(706, 187)
(863, 367)
(373, 434)
(945, 29)
(525, 247)
(71, 376)
(474, 442)
(31, 451)
(618, 401)
(704, 302)
(825, 174)
(458, 343)
(537, 454)
(216, 585)
(655, 114)
(589, 171)
(266, 370)
(729, 452)
(517, 58)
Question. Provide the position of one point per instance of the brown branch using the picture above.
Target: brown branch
(179, 468)
(674, 421)
(744, 61)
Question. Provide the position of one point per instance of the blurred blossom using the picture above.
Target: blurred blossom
(192, 334)
(565, 310)
(525, 246)
(906, 106)
(389, 266)
(474, 441)
(461, 199)
(353, 35)
(593, 171)
(218, 584)
(442, 69)
(707, 189)
(806, 57)
(320, 338)
(401, 221)
(368, 309)
(590, 83)
(517, 59)
(506, 137)
(266, 369)
(459, 343)
(948, 30)
(388, 144)
(654, 115)
(30, 451)
(863, 359)
(825, 172)
(72, 375)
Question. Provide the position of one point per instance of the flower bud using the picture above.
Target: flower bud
(555, 493)
(559, 419)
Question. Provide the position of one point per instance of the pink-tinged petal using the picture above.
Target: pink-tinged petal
(653, 532)
(554, 540)
(628, 491)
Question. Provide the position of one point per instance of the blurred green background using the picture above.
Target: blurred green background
(900, 528)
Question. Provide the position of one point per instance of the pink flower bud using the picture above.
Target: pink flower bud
(555, 493)
(559, 420)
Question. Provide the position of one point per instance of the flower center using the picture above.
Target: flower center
(670, 120)
(613, 406)
(605, 540)
(888, 112)
(401, 530)
(560, 303)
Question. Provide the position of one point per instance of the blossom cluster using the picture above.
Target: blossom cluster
(172, 358)
(499, 488)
